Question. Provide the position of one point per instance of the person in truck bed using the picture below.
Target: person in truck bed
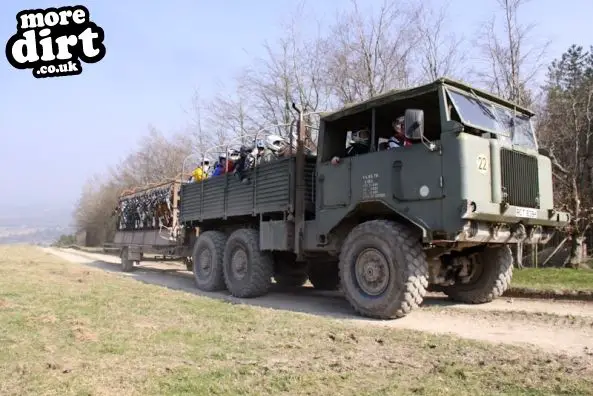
(288, 150)
(219, 166)
(245, 162)
(201, 172)
(261, 151)
(274, 146)
(223, 165)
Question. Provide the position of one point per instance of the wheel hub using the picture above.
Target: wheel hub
(468, 268)
(239, 263)
(205, 262)
(372, 272)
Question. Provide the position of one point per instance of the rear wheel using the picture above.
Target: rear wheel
(383, 269)
(489, 276)
(207, 261)
(247, 270)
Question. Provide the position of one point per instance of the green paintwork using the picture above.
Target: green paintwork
(437, 186)
(400, 94)
(430, 189)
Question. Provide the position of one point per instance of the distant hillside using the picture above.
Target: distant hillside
(35, 224)
(37, 236)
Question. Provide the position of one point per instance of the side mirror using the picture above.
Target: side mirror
(414, 124)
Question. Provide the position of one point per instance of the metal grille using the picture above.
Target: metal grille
(520, 179)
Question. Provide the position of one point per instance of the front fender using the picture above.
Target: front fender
(377, 209)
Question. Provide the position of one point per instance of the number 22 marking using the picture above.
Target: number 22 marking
(482, 163)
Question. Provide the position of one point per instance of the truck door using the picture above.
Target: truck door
(333, 184)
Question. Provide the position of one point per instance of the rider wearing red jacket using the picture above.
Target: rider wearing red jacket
(399, 137)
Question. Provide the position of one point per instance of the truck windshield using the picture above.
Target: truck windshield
(512, 128)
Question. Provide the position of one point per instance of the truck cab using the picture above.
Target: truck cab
(472, 184)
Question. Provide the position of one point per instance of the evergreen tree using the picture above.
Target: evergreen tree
(566, 131)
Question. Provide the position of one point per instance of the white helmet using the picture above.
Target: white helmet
(275, 142)
(234, 155)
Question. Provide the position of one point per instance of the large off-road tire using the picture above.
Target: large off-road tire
(207, 259)
(291, 280)
(324, 275)
(492, 277)
(383, 269)
(247, 270)
(127, 265)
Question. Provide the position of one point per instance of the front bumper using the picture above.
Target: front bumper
(488, 222)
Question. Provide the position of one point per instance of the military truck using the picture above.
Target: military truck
(386, 225)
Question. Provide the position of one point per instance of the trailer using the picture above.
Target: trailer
(383, 225)
(148, 223)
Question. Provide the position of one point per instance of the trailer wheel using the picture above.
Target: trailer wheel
(247, 270)
(207, 261)
(383, 269)
(324, 276)
(489, 279)
(189, 264)
(127, 265)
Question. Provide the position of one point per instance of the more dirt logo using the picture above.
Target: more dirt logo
(52, 42)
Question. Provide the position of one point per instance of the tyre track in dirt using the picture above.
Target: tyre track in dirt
(562, 327)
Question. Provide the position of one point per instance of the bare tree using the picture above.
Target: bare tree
(291, 71)
(513, 60)
(229, 115)
(202, 137)
(439, 50)
(369, 55)
(157, 159)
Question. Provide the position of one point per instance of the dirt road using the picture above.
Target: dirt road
(558, 327)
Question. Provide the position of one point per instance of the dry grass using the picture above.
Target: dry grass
(72, 330)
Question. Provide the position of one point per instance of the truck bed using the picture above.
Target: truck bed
(271, 190)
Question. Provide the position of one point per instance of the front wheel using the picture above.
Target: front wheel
(383, 269)
(490, 276)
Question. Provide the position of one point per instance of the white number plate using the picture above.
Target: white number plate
(526, 212)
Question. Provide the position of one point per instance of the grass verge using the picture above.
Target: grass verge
(72, 330)
(551, 279)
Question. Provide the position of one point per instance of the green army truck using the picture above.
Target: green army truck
(386, 225)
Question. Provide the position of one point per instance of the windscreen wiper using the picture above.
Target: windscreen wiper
(484, 108)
